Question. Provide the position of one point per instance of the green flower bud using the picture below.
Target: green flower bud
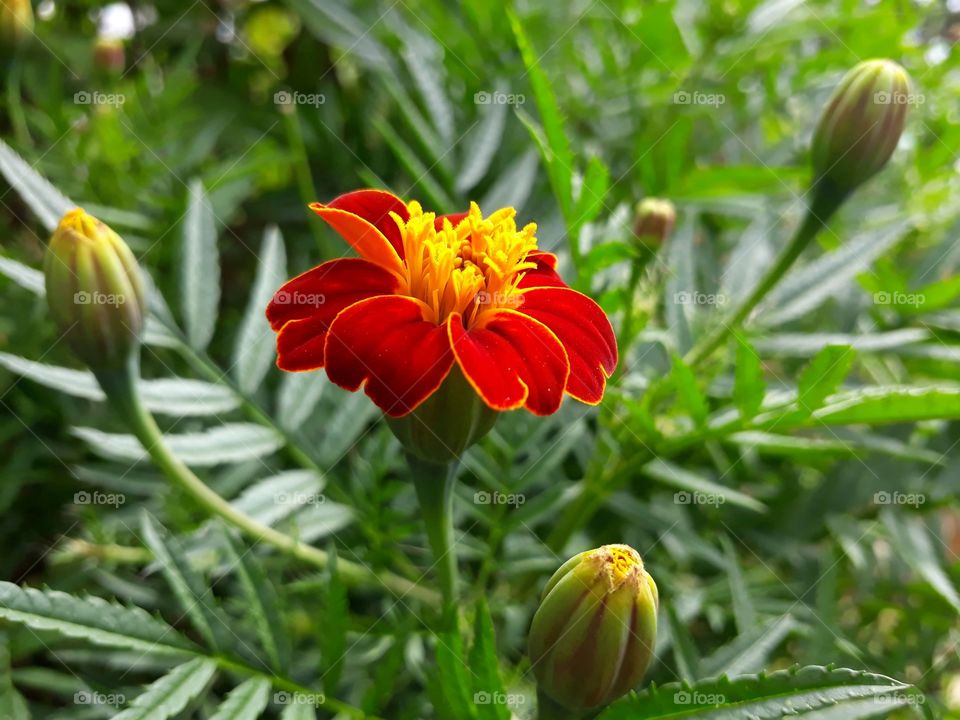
(16, 22)
(654, 222)
(593, 635)
(94, 290)
(860, 126)
(447, 423)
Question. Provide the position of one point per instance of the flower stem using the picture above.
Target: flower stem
(301, 168)
(822, 207)
(434, 485)
(120, 387)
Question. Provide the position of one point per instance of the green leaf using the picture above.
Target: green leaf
(483, 662)
(554, 145)
(12, 704)
(911, 540)
(593, 192)
(681, 288)
(298, 711)
(262, 601)
(744, 612)
(481, 145)
(335, 617)
(91, 619)
(424, 60)
(748, 387)
(891, 404)
(168, 696)
(228, 443)
(245, 702)
(279, 496)
(46, 202)
(420, 173)
(823, 376)
(199, 268)
(750, 651)
(814, 691)
(196, 599)
(298, 396)
(692, 485)
(170, 396)
(684, 651)
(808, 344)
(688, 390)
(513, 186)
(23, 275)
(254, 351)
(450, 687)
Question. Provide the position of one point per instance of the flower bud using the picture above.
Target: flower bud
(593, 635)
(446, 423)
(109, 56)
(860, 126)
(654, 222)
(94, 290)
(16, 22)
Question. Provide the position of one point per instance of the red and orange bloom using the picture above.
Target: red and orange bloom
(428, 292)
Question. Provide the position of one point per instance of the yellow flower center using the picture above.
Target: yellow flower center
(621, 561)
(468, 268)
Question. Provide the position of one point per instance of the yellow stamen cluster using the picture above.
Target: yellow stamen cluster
(468, 268)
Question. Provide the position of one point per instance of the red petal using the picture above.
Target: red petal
(375, 207)
(304, 307)
(544, 275)
(454, 219)
(369, 242)
(585, 333)
(512, 361)
(385, 343)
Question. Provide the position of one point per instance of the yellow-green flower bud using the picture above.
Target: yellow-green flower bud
(109, 56)
(16, 22)
(593, 635)
(860, 126)
(654, 222)
(95, 291)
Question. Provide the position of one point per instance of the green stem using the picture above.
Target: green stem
(823, 206)
(434, 485)
(630, 311)
(301, 168)
(121, 388)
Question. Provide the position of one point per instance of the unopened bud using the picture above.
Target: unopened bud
(16, 22)
(94, 290)
(593, 635)
(654, 222)
(109, 55)
(860, 126)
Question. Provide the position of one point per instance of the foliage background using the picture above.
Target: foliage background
(802, 560)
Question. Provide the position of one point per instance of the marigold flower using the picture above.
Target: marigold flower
(429, 291)
(593, 635)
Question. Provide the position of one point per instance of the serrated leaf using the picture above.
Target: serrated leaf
(911, 540)
(245, 702)
(199, 268)
(891, 404)
(748, 386)
(228, 443)
(807, 692)
(688, 391)
(12, 704)
(744, 612)
(451, 685)
(593, 192)
(91, 619)
(513, 186)
(46, 201)
(823, 376)
(750, 650)
(481, 145)
(681, 288)
(808, 344)
(277, 497)
(485, 666)
(298, 711)
(168, 696)
(298, 396)
(196, 599)
(254, 352)
(690, 484)
(261, 602)
(424, 60)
